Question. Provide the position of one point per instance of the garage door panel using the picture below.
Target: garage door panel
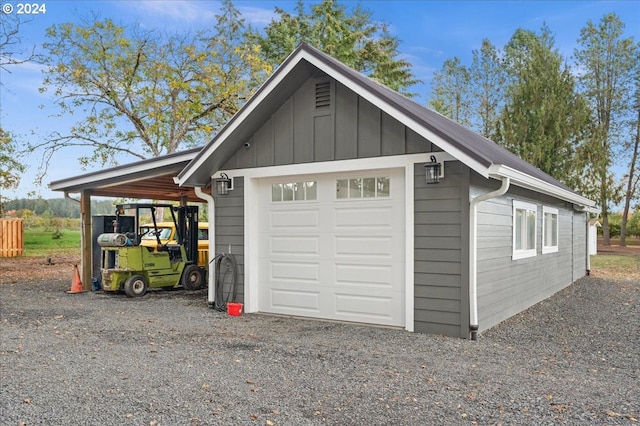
(285, 301)
(364, 217)
(294, 219)
(370, 308)
(364, 246)
(332, 258)
(295, 245)
(295, 272)
(363, 276)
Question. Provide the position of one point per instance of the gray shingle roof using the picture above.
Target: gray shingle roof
(483, 150)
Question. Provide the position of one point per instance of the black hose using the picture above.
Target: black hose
(226, 279)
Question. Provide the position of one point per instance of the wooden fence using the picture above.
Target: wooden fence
(11, 237)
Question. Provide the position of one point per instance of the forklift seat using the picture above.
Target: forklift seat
(175, 254)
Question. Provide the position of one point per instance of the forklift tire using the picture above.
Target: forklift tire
(135, 286)
(192, 277)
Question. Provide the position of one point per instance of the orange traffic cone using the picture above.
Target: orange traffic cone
(76, 283)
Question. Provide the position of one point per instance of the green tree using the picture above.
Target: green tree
(12, 52)
(142, 94)
(352, 37)
(606, 61)
(487, 79)
(543, 119)
(633, 175)
(10, 166)
(633, 225)
(451, 95)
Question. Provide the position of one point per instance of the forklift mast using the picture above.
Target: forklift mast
(186, 224)
(187, 231)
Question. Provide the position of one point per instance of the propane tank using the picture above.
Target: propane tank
(113, 240)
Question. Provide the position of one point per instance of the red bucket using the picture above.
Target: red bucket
(234, 309)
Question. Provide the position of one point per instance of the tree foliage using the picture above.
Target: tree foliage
(607, 61)
(10, 166)
(143, 94)
(524, 97)
(487, 79)
(12, 52)
(57, 207)
(451, 92)
(544, 119)
(352, 37)
(632, 191)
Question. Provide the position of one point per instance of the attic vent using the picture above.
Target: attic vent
(323, 94)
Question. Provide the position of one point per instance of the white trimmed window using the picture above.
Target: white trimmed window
(366, 187)
(293, 191)
(549, 230)
(524, 229)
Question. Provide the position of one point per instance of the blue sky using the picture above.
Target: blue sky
(430, 32)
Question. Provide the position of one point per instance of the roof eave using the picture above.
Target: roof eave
(145, 166)
(526, 181)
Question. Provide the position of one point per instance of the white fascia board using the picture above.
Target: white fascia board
(529, 182)
(400, 116)
(113, 173)
(335, 166)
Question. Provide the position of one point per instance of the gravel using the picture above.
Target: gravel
(167, 359)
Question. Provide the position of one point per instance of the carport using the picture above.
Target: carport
(146, 179)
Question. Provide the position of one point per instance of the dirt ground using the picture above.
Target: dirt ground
(39, 269)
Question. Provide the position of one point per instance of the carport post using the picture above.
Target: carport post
(85, 240)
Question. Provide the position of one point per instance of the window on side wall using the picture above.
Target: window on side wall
(524, 229)
(549, 230)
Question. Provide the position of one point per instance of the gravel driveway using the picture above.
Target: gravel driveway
(167, 359)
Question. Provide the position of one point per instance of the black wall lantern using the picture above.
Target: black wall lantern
(432, 170)
(223, 184)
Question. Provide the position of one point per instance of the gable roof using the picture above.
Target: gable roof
(477, 152)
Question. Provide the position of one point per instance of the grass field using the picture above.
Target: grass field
(616, 266)
(41, 243)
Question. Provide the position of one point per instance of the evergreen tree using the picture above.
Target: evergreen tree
(543, 119)
(352, 37)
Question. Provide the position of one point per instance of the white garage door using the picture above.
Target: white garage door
(332, 246)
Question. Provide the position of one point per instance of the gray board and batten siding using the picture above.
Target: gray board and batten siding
(349, 127)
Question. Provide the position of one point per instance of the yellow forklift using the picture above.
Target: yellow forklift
(127, 265)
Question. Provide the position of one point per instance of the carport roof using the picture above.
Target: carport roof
(146, 179)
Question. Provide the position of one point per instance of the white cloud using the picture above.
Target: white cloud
(257, 16)
(179, 11)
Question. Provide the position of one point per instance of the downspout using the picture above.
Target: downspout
(588, 253)
(211, 212)
(70, 198)
(586, 210)
(473, 253)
